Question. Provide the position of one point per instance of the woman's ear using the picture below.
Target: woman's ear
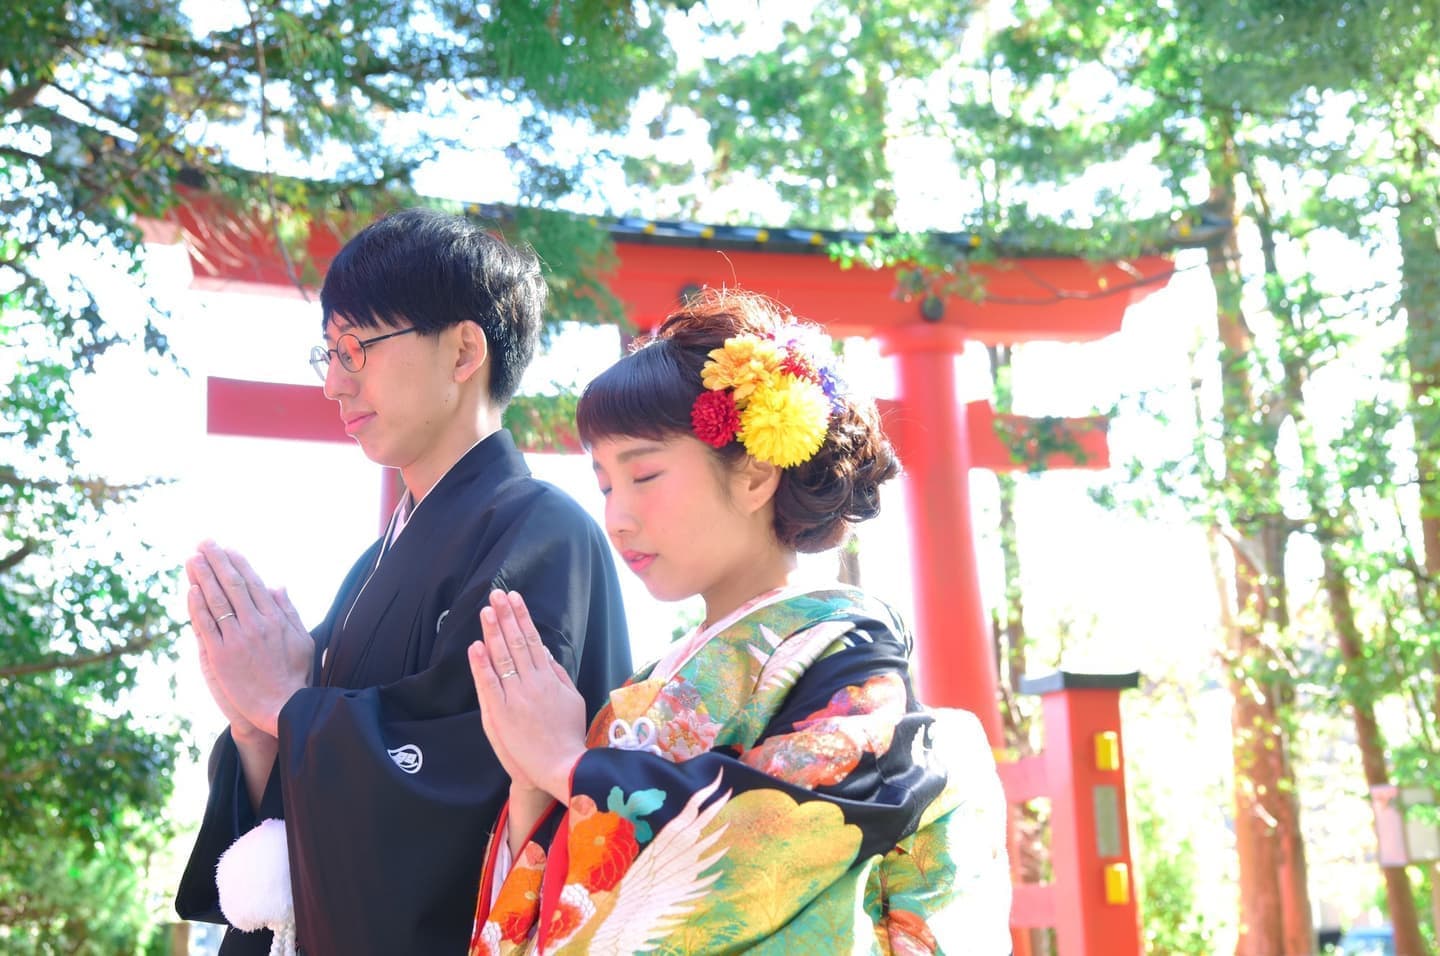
(472, 350)
(754, 484)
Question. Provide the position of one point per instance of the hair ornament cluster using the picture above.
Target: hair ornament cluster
(772, 395)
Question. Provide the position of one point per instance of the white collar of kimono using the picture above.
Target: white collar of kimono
(406, 508)
(688, 646)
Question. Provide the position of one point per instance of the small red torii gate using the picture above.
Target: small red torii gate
(1040, 298)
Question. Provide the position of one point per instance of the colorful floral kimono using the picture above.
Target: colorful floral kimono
(780, 792)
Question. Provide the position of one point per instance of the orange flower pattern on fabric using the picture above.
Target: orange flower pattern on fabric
(515, 908)
(602, 846)
(879, 696)
(485, 940)
(581, 808)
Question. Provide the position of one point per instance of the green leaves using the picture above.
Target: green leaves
(544, 422)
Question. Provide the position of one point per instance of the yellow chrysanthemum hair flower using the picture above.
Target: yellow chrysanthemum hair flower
(785, 423)
(744, 363)
(774, 397)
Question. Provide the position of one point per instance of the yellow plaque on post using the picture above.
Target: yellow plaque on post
(1107, 750)
(1117, 883)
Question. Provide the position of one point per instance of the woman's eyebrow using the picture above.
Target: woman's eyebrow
(629, 454)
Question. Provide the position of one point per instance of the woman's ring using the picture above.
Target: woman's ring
(510, 673)
(224, 616)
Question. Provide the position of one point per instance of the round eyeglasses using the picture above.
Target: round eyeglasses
(350, 349)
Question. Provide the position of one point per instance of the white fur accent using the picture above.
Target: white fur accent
(253, 878)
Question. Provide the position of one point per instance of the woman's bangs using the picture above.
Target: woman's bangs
(644, 395)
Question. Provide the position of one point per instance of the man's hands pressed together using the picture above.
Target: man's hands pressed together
(254, 651)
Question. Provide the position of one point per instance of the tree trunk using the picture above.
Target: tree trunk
(1399, 897)
(179, 939)
(1274, 898)
(1420, 294)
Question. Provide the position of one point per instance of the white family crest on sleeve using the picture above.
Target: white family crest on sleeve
(253, 878)
(408, 758)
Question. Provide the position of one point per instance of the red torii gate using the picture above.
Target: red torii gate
(1044, 298)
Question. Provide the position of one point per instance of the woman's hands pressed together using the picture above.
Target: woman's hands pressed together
(533, 715)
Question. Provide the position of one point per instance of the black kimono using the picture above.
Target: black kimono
(384, 776)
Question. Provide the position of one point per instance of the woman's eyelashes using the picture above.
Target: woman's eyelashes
(637, 480)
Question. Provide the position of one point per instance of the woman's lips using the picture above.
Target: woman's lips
(637, 560)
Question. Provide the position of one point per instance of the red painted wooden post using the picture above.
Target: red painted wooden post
(955, 656)
(1090, 900)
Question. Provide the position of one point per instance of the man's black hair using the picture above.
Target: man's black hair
(432, 270)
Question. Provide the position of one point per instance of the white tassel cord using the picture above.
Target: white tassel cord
(253, 878)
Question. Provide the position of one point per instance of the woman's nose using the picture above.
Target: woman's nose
(618, 519)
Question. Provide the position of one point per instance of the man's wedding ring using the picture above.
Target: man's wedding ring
(509, 673)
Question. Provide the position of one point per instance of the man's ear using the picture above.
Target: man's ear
(754, 484)
(472, 350)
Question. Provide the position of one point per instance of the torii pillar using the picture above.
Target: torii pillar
(932, 434)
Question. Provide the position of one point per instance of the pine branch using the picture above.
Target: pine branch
(263, 80)
(22, 96)
(78, 661)
(27, 548)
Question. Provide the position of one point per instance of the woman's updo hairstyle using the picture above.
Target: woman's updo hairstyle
(650, 394)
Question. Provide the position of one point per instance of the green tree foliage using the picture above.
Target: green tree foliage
(815, 114)
(297, 112)
(1173, 926)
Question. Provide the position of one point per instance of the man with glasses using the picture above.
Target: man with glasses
(365, 735)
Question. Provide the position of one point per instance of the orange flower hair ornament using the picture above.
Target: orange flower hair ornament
(771, 395)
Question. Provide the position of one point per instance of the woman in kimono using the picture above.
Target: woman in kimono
(771, 784)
